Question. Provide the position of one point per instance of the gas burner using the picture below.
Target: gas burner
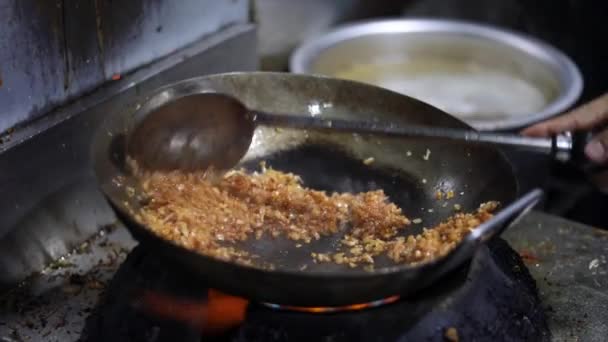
(492, 298)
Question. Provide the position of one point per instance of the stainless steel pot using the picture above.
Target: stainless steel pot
(552, 74)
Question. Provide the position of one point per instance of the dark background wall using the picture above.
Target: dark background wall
(52, 51)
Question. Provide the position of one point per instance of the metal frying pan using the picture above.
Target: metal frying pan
(333, 162)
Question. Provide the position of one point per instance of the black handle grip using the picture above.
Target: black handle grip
(579, 158)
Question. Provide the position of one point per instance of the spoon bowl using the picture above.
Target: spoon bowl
(193, 132)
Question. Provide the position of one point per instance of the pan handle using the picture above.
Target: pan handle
(505, 218)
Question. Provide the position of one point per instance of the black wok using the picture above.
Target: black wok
(332, 162)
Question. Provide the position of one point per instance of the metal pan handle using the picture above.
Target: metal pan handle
(505, 218)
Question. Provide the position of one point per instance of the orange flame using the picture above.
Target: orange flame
(328, 309)
(219, 313)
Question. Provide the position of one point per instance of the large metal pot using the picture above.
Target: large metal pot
(543, 81)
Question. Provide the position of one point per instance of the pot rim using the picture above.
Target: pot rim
(567, 73)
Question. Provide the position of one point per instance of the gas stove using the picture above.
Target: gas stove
(54, 287)
(152, 299)
(108, 286)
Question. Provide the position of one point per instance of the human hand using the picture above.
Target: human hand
(590, 116)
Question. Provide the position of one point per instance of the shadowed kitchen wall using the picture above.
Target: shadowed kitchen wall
(57, 61)
(285, 24)
(53, 51)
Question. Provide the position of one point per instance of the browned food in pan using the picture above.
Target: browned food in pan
(211, 215)
(428, 245)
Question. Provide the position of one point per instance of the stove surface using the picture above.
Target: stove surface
(492, 298)
(566, 259)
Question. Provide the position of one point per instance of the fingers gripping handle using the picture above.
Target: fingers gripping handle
(579, 143)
